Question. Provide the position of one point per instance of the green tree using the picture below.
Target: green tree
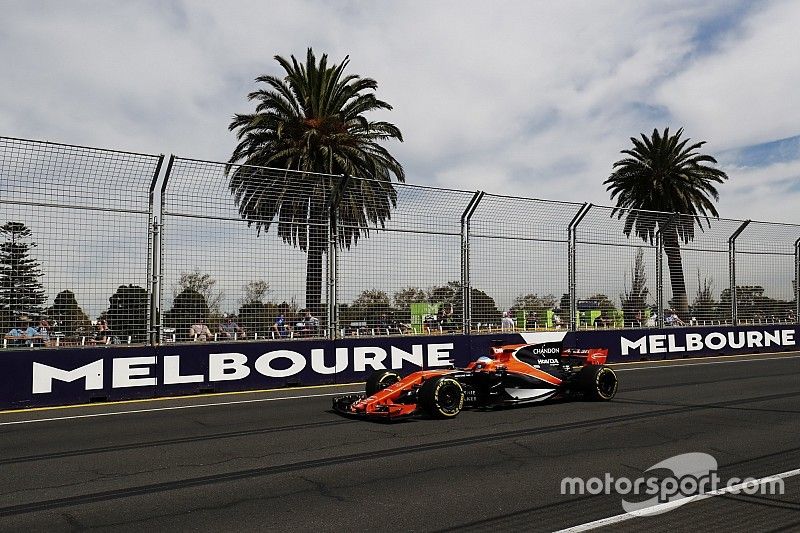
(187, 307)
(607, 308)
(634, 299)
(665, 173)
(21, 292)
(534, 305)
(313, 120)
(71, 319)
(484, 308)
(445, 293)
(405, 297)
(254, 291)
(563, 304)
(752, 305)
(368, 306)
(204, 284)
(256, 316)
(127, 312)
(704, 306)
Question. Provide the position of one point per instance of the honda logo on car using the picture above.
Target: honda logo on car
(692, 342)
(231, 366)
(548, 361)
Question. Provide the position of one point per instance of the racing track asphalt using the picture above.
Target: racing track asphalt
(257, 462)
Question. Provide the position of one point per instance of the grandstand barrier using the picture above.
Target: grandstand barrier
(67, 376)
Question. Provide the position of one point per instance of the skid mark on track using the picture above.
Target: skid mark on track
(170, 442)
(366, 456)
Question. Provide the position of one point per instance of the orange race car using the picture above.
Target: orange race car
(511, 374)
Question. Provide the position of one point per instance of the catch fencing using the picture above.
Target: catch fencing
(75, 244)
(109, 247)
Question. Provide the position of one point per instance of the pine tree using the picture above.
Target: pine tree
(21, 292)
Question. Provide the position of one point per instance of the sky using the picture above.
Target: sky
(522, 98)
(525, 99)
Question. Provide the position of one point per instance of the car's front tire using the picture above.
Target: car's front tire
(381, 379)
(598, 383)
(441, 397)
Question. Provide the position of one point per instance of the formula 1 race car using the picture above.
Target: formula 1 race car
(511, 374)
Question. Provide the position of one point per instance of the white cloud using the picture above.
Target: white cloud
(746, 92)
(770, 193)
(533, 99)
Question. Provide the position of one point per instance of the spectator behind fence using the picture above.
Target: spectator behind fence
(229, 329)
(507, 323)
(31, 332)
(280, 327)
(44, 332)
(672, 319)
(199, 331)
(445, 317)
(15, 336)
(308, 325)
(102, 333)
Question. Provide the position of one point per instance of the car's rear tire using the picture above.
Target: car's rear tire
(441, 397)
(598, 383)
(381, 379)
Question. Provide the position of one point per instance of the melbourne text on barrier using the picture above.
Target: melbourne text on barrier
(693, 342)
(231, 366)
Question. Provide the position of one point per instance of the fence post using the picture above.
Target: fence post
(571, 266)
(732, 272)
(153, 247)
(797, 281)
(158, 263)
(659, 279)
(337, 192)
(667, 222)
(466, 288)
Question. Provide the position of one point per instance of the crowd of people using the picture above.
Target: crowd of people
(29, 332)
(303, 324)
(284, 326)
(43, 332)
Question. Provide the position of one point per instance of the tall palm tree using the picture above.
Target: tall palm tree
(312, 120)
(666, 174)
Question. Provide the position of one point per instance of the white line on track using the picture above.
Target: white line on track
(666, 506)
(665, 364)
(174, 408)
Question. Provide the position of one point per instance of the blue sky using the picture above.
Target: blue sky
(521, 98)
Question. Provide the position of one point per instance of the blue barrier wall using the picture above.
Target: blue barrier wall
(46, 377)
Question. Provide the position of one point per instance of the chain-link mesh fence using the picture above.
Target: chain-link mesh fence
(74, 241)
(243, 252)
(250, 253)
(399, 268)
(615, 265)
(518, 263)
(765, 273)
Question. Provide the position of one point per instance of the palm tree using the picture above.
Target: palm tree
(313, 121)
(666, 174)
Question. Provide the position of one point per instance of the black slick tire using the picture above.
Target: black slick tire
(598, 383)
(441, 397)
(381, 379)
